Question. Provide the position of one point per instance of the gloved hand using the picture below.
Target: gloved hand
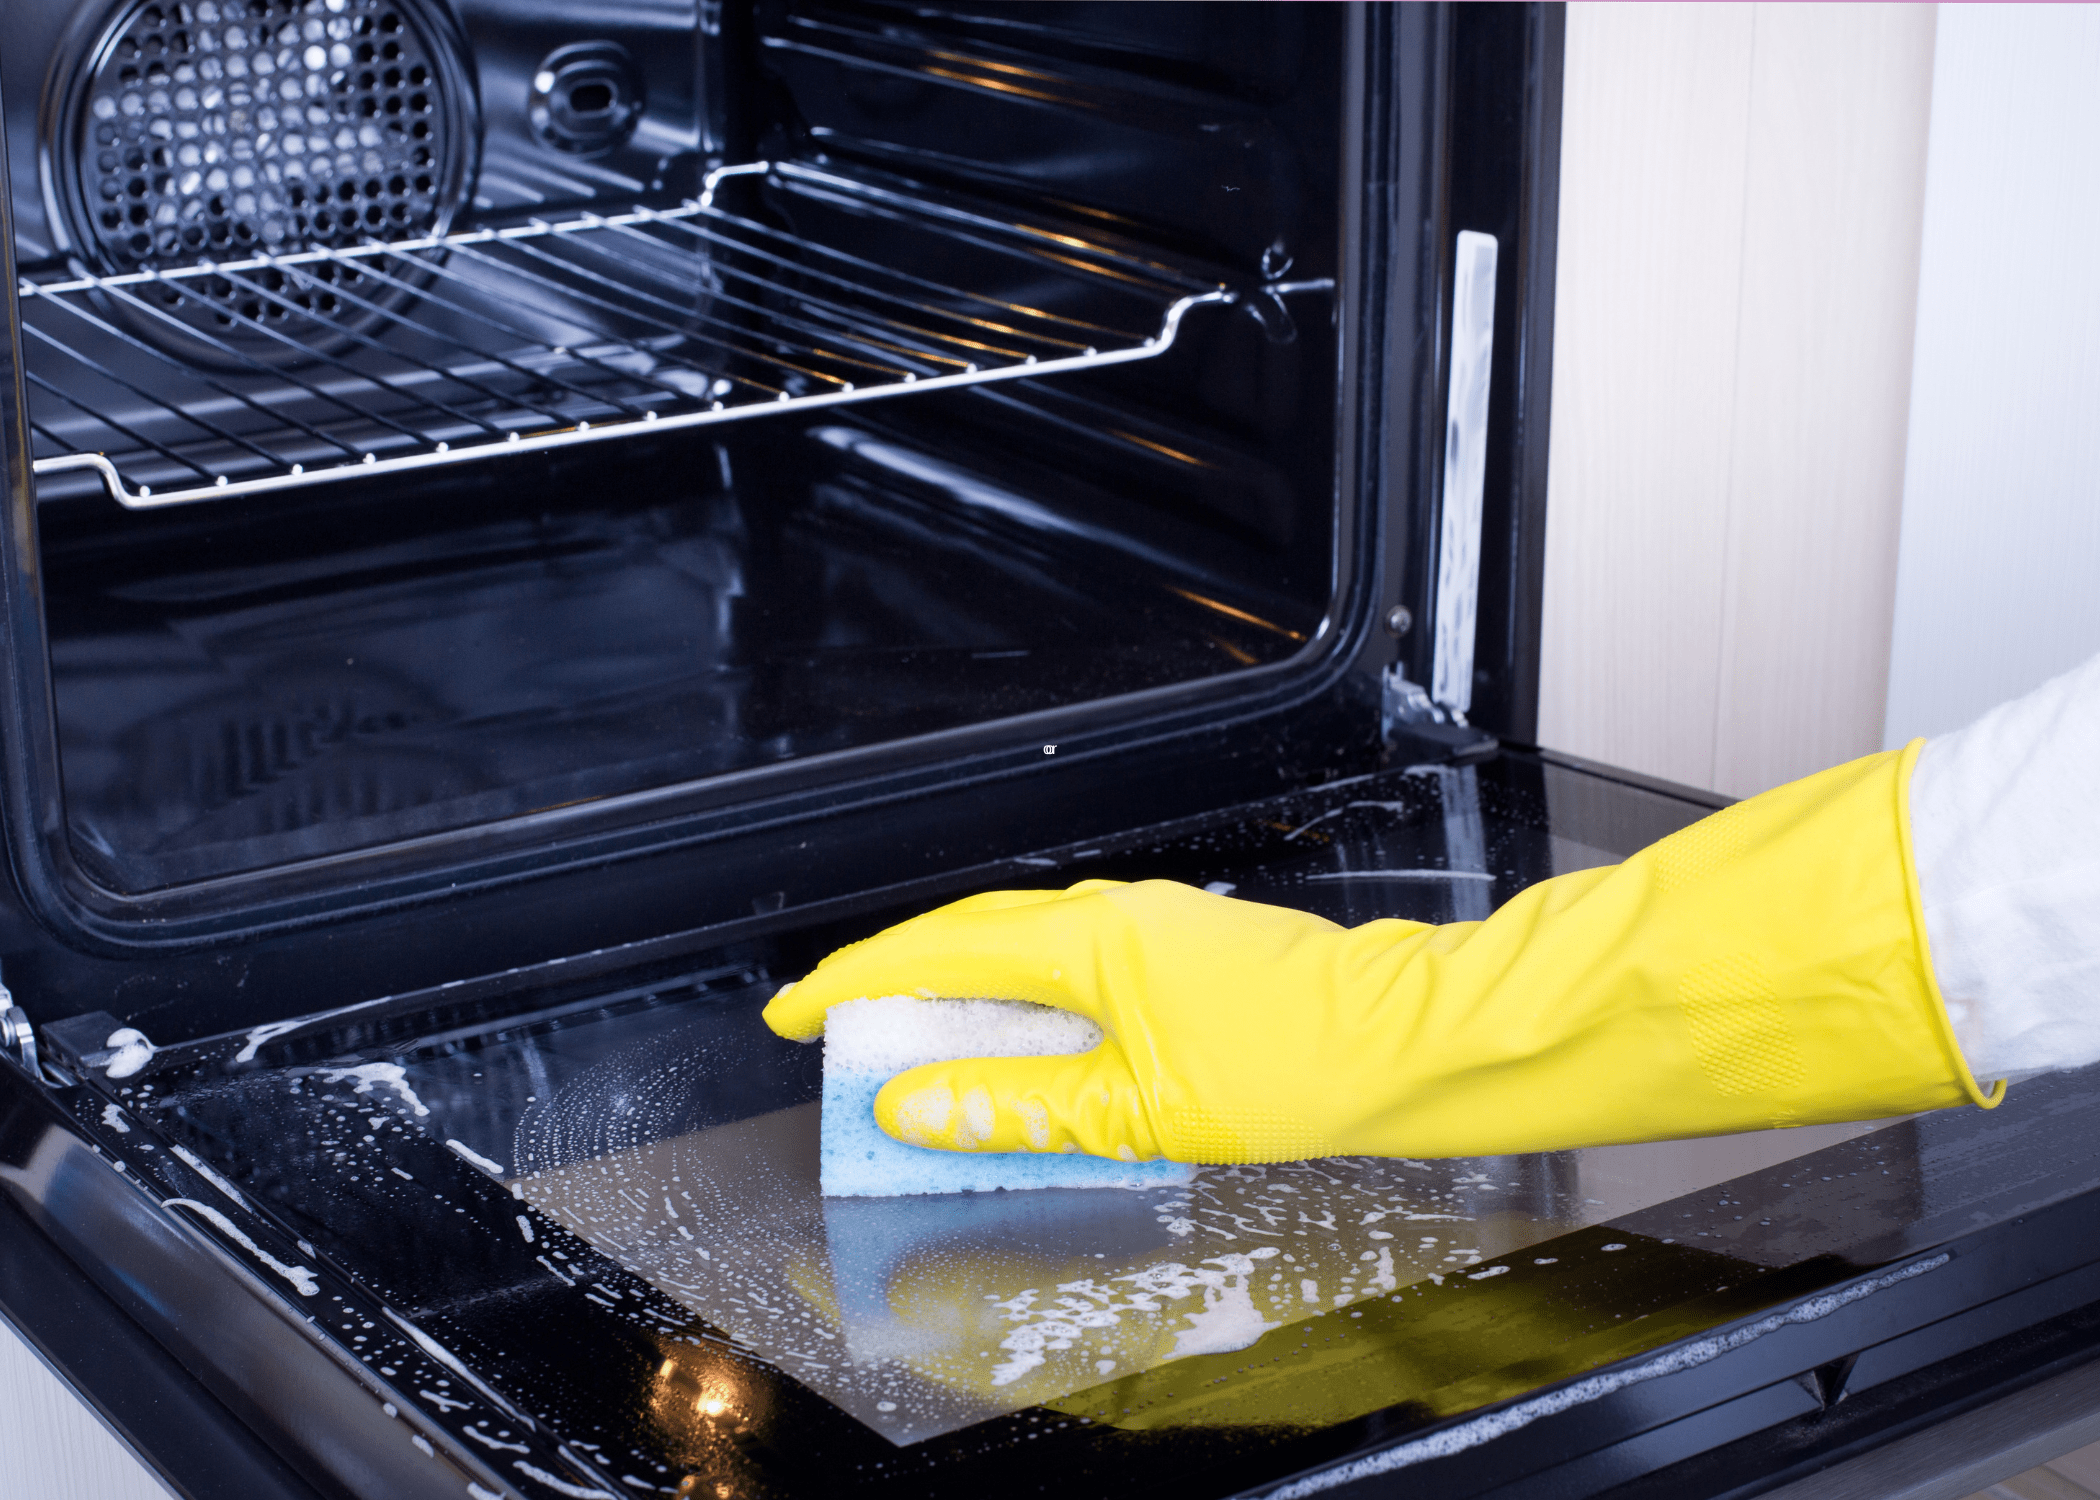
(1766, 966)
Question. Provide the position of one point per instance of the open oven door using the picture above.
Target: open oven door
(559, 1231)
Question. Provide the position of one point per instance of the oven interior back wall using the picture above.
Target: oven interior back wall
(247, 683)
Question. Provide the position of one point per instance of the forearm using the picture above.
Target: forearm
(2005, 828)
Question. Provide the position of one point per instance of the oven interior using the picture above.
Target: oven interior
(445, 415)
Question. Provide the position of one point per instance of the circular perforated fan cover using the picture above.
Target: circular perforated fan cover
(220, 129)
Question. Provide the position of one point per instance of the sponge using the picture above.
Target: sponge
(867, 1042)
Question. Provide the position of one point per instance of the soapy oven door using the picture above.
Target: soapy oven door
(557, 1231)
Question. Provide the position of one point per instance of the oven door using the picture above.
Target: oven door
(558, 1232)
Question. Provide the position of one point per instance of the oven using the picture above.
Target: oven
(529, 524)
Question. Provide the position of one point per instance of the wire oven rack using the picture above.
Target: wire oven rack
(330, 363)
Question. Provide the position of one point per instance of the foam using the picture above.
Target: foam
(867, 1042)
(132, 1050)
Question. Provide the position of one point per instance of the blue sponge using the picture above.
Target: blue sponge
(867, 1042)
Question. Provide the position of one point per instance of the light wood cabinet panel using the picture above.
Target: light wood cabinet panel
(54, 1447)
(1741, 199)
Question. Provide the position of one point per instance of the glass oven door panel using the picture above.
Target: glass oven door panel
(605, 1206)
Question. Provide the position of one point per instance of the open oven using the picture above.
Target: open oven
(528, 524)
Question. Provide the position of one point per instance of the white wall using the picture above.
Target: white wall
(1741, 201)
(1998, 586)
(51, 1446)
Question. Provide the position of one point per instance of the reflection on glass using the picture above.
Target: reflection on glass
(922, 1315)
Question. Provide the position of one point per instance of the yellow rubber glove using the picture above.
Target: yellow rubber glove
(1766, 966)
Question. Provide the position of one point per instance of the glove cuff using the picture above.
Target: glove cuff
(1905, 765)
(1789, 931)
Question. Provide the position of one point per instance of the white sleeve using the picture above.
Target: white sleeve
(2005, 828)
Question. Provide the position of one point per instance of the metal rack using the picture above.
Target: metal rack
(333, 363)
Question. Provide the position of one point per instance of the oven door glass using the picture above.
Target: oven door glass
(601, 1204)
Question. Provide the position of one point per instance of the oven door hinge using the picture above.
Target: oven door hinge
(18, 1040)
(17, 1035)
(1414, 724)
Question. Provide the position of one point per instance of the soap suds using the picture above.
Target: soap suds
(561, 1486)
(132, 1049)
(263, 1034)
(198, 1165)
(301, 1278)
(114, 1119)
(1226, 1319)
(393, 1075)
(474, 1158)
(896, 1032)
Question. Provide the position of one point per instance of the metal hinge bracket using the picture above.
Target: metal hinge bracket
(17, 1035)
(1409, 718)
(1401, 701)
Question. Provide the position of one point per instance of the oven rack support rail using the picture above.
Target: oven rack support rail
(461, 347)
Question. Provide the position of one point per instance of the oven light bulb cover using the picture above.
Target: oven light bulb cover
(587, 98)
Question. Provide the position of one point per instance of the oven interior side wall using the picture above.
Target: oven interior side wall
(243, 684)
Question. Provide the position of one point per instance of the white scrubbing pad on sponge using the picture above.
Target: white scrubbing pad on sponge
(868, 1042)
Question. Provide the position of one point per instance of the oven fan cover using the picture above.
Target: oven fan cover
(220, 130)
